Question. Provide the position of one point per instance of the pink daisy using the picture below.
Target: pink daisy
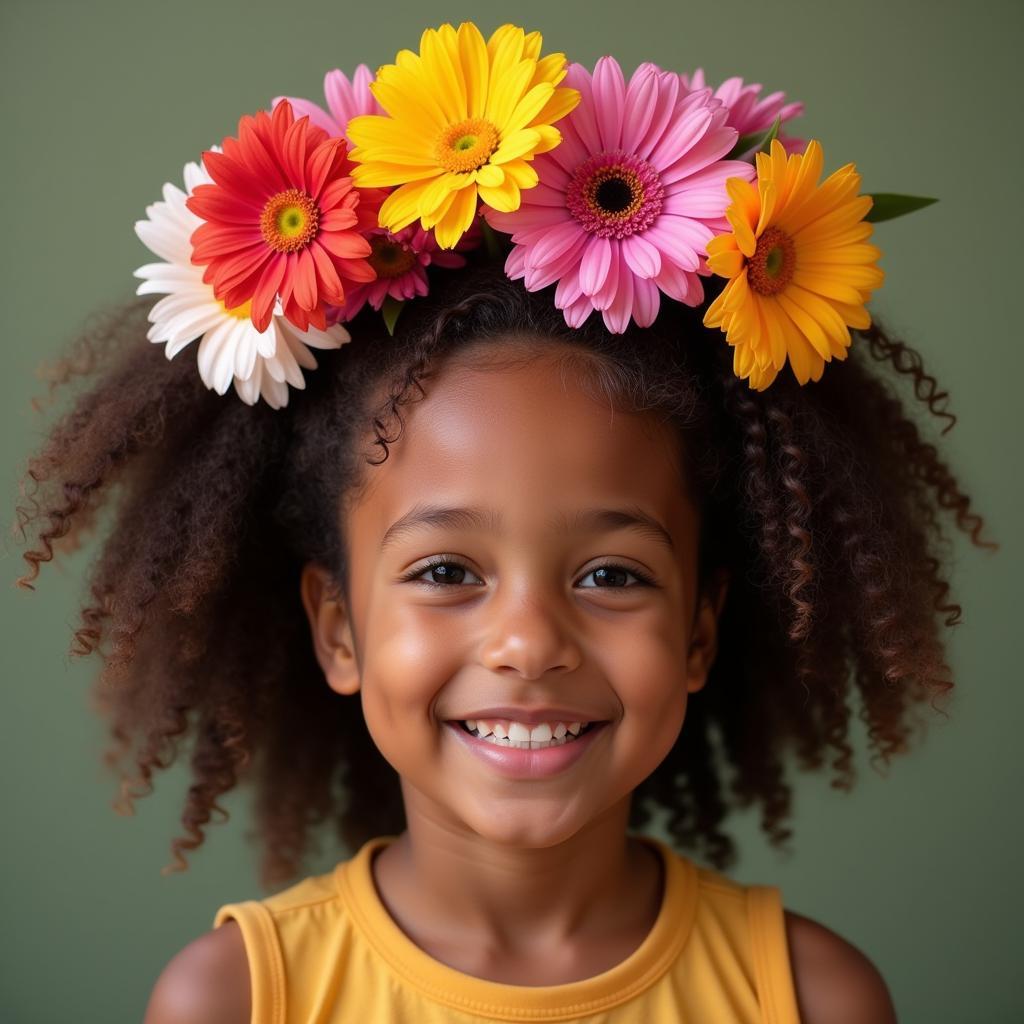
(401, 260)
(628, 201)
(749, 111)
(345, 100)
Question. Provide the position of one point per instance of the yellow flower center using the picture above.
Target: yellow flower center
(466, 146)
(771, 267)
(389, 258)
(242, 312)
(289, 220)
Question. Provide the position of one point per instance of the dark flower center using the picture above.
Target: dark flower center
(614, 195)
(390, 258)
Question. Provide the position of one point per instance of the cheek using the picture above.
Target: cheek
(649, 656)
(408, 660)
(648, 671)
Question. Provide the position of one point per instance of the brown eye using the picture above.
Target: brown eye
(443, 572)
(610, 576)
(446, 572)
(613, 577)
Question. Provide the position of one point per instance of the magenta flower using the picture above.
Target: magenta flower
(345, 100)
(628, 201)
(401, 260)
(749, 111)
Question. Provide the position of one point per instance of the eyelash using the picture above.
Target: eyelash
(414, 575)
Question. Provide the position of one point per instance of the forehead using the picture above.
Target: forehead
(527, 440)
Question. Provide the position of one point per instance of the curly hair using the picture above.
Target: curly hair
(824, 502)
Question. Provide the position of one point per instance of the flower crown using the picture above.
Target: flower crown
(615, 191)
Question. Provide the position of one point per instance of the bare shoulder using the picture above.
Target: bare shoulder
(207, 982)
(835, 982)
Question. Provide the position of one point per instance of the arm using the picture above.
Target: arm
(206, 983)
(835, 982)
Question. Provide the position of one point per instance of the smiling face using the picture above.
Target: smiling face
(536, 605)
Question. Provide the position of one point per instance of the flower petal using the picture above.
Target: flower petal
(595, 265)
(505, 197)
(457, 220)
(402, 206)
(617, 314)
(642, 257)
(609, 101)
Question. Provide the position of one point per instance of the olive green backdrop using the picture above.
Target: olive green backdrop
(103, 102)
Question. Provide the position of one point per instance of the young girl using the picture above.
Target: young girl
(387, 601)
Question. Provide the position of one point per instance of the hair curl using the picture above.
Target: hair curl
(822, 501)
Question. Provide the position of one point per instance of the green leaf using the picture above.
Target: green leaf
(390, 310)
(492, 243)
(761, 142)
(889, 204)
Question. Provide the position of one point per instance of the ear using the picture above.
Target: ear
(331, 629)
(704, 638)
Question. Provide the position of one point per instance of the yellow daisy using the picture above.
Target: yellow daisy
(465, 118)
(799, 265)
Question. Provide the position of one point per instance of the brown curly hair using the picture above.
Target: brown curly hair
(823, 501)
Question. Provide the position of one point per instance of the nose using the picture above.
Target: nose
(528, 636)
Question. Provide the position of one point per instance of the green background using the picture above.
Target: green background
(104, 102)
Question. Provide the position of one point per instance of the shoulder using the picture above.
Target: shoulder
(207, 982)
(835, 982)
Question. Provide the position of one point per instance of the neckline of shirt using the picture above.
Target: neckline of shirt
(500, 1001)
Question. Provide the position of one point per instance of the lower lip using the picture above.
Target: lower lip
(517, 763)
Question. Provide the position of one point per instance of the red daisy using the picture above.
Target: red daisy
(282, 219)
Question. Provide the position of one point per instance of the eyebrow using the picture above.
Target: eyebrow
(424, 516)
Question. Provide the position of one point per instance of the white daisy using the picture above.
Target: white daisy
(230, 349)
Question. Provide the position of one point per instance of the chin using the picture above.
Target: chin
(524, 824)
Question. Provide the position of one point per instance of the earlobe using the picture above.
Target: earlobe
(720, 588)
(331, 629)
(704, 641)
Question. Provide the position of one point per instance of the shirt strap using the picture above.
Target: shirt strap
(266, 966)
(773, 971)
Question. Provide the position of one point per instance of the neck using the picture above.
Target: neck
(452, 890)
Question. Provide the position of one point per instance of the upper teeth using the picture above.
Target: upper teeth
(517, 732)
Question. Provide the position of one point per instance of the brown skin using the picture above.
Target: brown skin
(521, 881)
(518, 879)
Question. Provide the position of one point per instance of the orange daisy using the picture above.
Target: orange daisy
(799, 265)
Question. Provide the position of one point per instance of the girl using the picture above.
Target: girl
(389, 605)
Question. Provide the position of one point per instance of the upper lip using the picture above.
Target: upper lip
(530, 716)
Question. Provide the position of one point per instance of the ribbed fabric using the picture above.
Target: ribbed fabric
(326, 951)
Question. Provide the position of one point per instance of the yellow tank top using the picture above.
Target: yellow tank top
(326, 951)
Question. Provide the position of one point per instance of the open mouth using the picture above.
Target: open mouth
(519, 738)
